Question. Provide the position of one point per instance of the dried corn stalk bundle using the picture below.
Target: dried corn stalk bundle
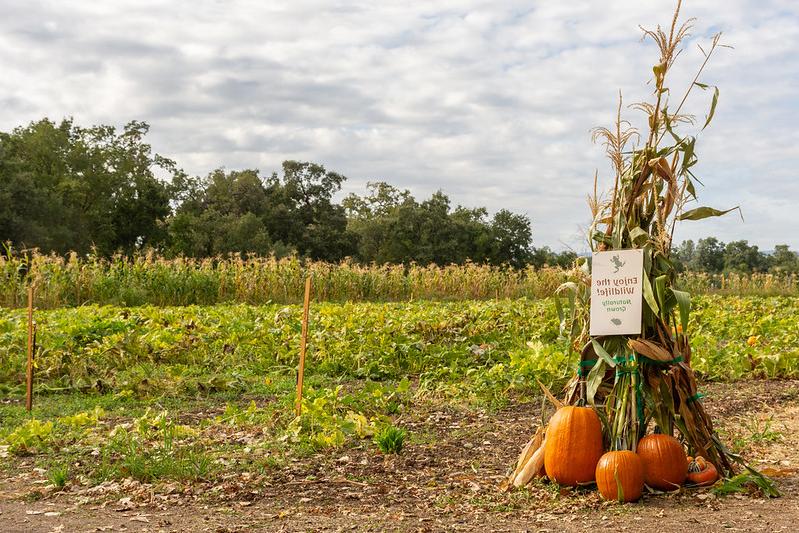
(637, 383)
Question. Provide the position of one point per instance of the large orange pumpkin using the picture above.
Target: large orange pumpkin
(573, 446)
(620, 476)
(665, 461)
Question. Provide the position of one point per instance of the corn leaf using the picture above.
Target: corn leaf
(713, 103)
(638, 236)
(704, 212)
(602, 353)
(594, 380)
(660, 292)
(684, 304)
(649, 296)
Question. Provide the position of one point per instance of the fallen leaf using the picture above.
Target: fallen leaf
(779, 472)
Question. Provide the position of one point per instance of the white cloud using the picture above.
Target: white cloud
(490, 101)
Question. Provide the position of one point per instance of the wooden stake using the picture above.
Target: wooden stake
(29, 397)
(303, 342)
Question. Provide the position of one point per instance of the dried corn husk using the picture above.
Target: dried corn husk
(532, 467)
(529, 449)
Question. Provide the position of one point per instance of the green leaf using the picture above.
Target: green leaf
(684, 304)
(561, 315)
(689, 186)
(660, 291)
(704, 212)
(602, 354)
(713, 103)
(619, 488)
(594, 380)
(667, 124)
(649, 296)
(751, 476)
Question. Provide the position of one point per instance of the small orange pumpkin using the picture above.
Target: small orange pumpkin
(620, 476)
(573, 446)
(701, 472)
(665, 461)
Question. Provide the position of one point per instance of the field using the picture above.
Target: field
(151, 280)
(140, 409)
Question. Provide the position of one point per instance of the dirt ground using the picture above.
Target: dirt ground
(447, 478)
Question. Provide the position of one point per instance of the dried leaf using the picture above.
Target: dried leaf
(650, 349)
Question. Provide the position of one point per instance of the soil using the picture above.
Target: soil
(449, 477)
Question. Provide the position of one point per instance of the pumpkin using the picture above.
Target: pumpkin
(573, 445)
(702, 472)
(620, 476)
(665, 461)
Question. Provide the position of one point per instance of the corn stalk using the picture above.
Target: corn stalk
(646, 380)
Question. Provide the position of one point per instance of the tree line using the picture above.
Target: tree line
(100, 190)
(739, 257)
(64, 187)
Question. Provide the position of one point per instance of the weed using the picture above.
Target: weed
(759, 432)
(390, 439)
(58, 476)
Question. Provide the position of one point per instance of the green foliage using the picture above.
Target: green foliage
(153, 448)
(720, 327)
(236, 416)
(147, 279)
(58, 476)
(711, 256)
(393, 227)
(30, 436)
(332, 416)
(759, 432)
(748, 481)
(68, 188)
(473, 349)
(64, 187)
(390, 439)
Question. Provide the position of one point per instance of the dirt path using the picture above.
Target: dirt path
(446, 479)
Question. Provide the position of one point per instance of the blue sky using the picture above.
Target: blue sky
(490, 101)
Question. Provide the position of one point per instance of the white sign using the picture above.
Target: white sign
(616, 292)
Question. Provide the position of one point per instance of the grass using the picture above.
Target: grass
(756, 432)
(58, 476)
(390, 440)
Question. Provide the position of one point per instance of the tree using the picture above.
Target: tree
(742, 258)
(683, 255)
(221, 214)
(545, 257)
(708, 256)
(512, 237)
(784, 260)
(304, 215)
(65, 187)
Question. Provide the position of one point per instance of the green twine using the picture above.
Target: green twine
(584, 368)
(695, 398)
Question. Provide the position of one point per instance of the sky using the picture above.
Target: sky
(490, 101)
